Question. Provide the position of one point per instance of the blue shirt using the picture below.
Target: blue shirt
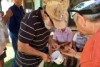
(14, 21)
(80, 40)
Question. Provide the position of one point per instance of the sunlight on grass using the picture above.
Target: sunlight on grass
(8, 63)
(10, 54)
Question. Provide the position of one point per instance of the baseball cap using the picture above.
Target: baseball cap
(86, 7)
(57, 13)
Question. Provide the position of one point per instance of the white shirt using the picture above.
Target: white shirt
(80, 40)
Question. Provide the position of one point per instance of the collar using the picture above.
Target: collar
(39, 14)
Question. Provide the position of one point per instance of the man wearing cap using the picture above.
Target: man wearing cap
(87, 18)
(34, 33)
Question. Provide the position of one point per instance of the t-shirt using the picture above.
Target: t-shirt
(80, 40)
(33, 32)
(15, 19)
(91, 54)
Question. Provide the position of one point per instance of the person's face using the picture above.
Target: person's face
(82, 24)
(18, 2)
(48, 22)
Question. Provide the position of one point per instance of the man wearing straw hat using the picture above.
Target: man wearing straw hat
(34, 33)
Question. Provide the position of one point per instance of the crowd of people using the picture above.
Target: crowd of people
(30, 34)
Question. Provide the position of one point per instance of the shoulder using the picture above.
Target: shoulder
(30, 18)
(30, 15)
(76, 34)
(33, 14)
(9, 13)
(27, 18)
(12, 7)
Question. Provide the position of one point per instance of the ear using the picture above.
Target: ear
(81, 20)
(44, 16)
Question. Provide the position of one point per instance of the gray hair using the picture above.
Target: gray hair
(93, 17)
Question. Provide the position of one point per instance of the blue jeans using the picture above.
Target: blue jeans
(14, 39)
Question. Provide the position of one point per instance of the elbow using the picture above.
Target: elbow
(21, 47)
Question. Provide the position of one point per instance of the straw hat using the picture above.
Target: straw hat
(57, 13)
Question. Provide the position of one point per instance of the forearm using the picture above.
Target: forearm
(25, 48)
(5, 19)
(51, 41)
(7, 16)
(53, 44)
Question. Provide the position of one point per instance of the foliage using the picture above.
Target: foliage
(8, 63)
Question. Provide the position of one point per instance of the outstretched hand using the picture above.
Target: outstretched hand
(71, 52)
(68, 51)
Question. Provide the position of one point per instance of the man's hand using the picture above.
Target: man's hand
(7, 16)
(45, 57)
(55, 46)
(9, 13)
(68, 52)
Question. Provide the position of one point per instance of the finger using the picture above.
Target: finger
(49, 60)
(68, 54)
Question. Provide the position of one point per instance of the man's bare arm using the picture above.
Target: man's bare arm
(24, 47)
(53, 44)
(7, 16)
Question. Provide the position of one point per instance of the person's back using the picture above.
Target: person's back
(91, 51)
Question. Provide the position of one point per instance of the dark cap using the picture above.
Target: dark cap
(86, 7)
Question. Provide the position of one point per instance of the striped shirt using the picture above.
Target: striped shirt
(32, 31)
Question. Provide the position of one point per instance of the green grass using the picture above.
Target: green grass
(52, 65)
(10, 55)
(8, 63)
